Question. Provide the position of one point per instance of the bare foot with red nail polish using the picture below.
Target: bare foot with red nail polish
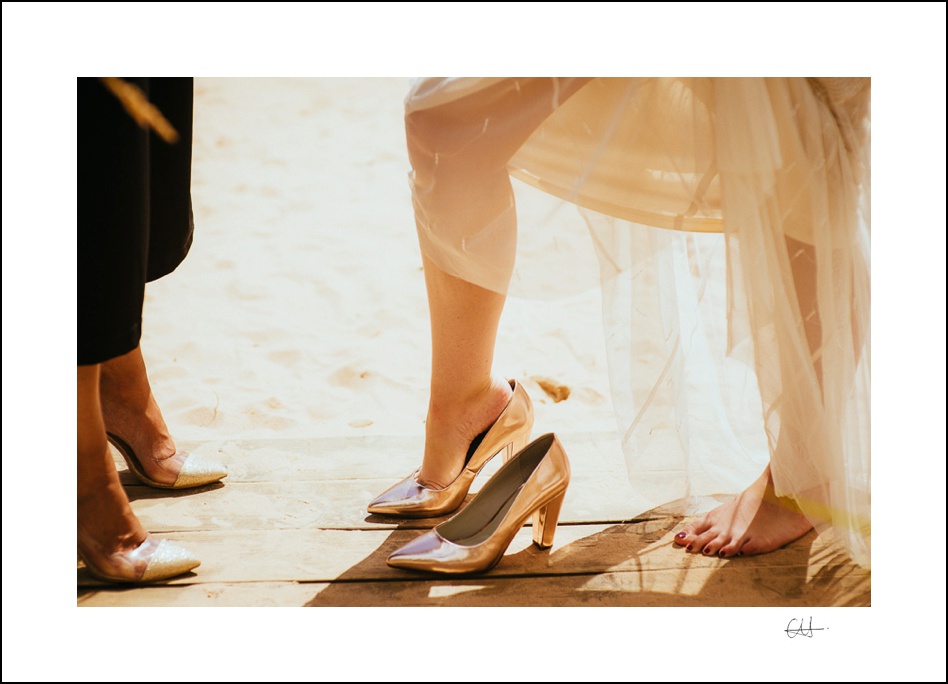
(756, 521)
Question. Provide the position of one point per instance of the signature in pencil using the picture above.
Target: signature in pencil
(799, 627)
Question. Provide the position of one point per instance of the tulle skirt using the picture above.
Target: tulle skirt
(704, 198)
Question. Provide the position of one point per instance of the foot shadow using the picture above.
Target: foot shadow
(135, 490)
(88, 585)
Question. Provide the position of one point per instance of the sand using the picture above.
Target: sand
(300, 311)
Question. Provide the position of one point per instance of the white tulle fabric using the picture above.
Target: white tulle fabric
(705, 198)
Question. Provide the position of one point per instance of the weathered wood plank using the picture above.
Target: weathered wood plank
(650, 588)
(806, 569)
(289, 527)
(706, 587)
(337, 504)
(214, 594)
(328, 483)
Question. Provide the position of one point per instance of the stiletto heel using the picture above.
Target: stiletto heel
(195, 470)
(474, 540)
(544, 522)
(411, 499)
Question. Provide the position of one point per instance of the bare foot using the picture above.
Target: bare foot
(450, 430)
(131, 412)
(756, 521)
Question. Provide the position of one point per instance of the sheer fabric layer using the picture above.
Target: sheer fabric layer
(730, 221)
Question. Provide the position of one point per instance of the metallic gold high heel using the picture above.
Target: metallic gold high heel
(532, 483)
(195, 471)
(411, 499)
(151, 561)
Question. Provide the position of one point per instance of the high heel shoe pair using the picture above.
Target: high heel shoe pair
(152, 560)
(532, 481)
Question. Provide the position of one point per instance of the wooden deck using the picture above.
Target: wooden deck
(288, 527)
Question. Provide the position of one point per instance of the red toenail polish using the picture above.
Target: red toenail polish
(681, 535)
(707, 550)
(689, 547)
(721, 553)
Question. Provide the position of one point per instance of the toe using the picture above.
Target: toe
(713, 547)
(692, 535)
(701, 526)
(730, 549)
(748, 547)
(701, 541)
(683, 537)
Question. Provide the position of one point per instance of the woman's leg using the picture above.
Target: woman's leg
(466, 397)
(107, 527)
(459, 154)
(130, 411)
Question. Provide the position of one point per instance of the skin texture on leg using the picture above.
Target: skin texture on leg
(107, 527)
(459, 153)
(130, 411)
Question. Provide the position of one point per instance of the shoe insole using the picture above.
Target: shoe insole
(487, 511)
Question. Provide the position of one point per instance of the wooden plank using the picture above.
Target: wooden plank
(337, 504)
(651, 588)
(778, 587)
(313, 555)
(328, 483)
(217, 595)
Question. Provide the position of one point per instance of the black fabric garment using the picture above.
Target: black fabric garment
(134, 209)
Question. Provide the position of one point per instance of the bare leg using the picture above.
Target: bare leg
(758, 521)
(107, 527)
(465, 397)
(131, 412)
(459, 154)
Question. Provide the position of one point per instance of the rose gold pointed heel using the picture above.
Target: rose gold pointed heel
(532, 482)
(509, 433)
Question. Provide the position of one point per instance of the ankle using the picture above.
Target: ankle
(450, 404)
(453, 424)
(123, 383)
(119, 396)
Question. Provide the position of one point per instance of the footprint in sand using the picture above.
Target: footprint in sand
(553, 389)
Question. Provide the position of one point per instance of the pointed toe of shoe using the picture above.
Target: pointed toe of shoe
(410, 499)
(428, 552)
(198, 471)
(393, 501)
(169, 560)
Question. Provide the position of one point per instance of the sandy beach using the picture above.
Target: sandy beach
(300, 311)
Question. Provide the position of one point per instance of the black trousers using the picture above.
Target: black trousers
(134, 210)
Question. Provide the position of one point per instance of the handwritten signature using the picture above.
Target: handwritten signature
(797, 627)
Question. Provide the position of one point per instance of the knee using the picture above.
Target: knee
(451, 137)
